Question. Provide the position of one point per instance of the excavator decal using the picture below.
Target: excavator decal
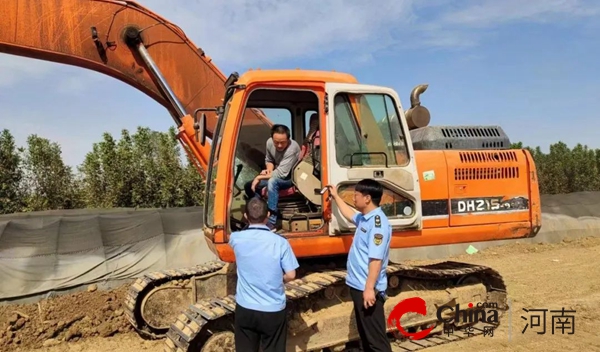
(363, 133)
(488, 204)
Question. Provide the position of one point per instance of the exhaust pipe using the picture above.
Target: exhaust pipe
(417, 116)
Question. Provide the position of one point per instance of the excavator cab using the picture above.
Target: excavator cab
(299, 207)
(362, 134)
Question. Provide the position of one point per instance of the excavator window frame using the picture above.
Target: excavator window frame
(396, 154)
(213, 165)
(244, 104)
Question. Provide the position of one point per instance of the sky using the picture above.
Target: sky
(531, 67)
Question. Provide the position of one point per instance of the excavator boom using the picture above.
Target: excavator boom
(153, 55)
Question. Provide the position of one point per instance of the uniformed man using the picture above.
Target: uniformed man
(264, 261)
(367, 260)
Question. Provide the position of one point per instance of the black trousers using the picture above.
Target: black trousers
(371, 323)
(254, 328)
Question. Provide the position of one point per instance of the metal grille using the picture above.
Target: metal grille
(483, 157)
(485, 173)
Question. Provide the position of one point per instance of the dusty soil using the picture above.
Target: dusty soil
(543, 276)
(63, 319)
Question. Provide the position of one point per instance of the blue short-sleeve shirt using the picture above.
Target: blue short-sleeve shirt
(371, 240)
(261, 257)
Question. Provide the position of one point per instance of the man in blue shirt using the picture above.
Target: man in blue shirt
(264, 261)
(367, 260)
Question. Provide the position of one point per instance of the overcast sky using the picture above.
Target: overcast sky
(532, 67)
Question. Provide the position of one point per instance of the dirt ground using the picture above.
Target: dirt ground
(542, 276)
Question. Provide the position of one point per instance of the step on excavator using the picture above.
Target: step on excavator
(443, 184)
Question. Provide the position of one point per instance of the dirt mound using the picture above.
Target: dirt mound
(63, 318)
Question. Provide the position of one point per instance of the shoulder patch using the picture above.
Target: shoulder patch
(378, 239)
(377, 221)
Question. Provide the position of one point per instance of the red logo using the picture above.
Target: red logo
(409, 305)
(483, 311)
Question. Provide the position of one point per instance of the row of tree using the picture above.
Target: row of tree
(566, 170)
(146, 169)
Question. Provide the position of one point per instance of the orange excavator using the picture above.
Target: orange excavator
(443, 184)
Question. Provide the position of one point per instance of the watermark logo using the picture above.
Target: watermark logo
(484, 312)
(409, 305)
(563, 321)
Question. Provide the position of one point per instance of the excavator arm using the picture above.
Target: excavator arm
(129, 42)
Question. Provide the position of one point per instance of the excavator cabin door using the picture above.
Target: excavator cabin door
(368, 138)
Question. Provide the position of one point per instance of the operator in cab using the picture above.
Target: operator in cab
(367, 260)
(281, 156)
(265, 261)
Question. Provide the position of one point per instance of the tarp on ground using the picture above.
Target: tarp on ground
(54, 250)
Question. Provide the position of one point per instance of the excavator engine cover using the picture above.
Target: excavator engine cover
(459, 137)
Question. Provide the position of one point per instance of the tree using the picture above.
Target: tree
(11, 175)
(565, 170)
(193, 185)
(140, 170)
(581, 170)
(49, 183)
(146, 170)
(109, 173)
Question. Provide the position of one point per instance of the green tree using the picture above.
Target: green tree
(146, 191)
(49, 183)
(582, 170)
(11, 175)
(140, 170)
(565, 170)
(193, 185)
(109, 173)
(92, 178)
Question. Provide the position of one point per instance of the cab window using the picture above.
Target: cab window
(368, 131)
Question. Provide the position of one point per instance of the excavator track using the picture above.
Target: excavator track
(149, 283)
(208, 325)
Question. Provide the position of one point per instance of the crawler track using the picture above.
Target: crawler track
(208, 324)
(134, 302)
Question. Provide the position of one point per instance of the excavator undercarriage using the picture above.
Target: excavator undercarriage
(194, 308)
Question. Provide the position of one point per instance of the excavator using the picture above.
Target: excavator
(442, 184)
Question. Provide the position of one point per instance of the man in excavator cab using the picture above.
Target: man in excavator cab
(281, 155)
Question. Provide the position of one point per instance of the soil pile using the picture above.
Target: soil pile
(63, 318)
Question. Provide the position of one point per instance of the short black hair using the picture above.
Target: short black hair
(370, 187)
(278, 128)
(256, 210)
